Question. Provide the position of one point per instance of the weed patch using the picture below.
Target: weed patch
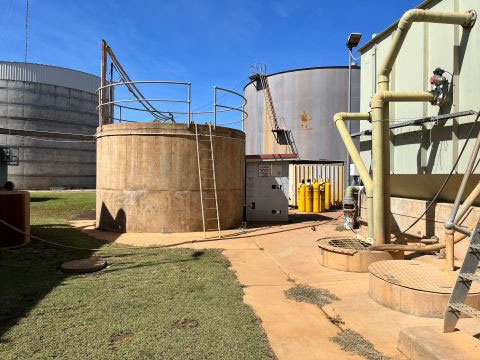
(352, 341)
(311, 295)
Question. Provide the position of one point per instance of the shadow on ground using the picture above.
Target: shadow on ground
(30, 272)
(42, 199)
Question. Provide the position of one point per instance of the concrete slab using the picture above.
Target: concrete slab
(429, 342)
(269, 260)
(295, 330)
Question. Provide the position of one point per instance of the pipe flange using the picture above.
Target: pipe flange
(471, 22)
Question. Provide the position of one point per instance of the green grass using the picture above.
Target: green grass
(148, 303)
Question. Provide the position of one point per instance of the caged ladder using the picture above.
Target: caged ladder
(207, 181)
(456, 304)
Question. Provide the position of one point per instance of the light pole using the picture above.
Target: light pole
(352, 41)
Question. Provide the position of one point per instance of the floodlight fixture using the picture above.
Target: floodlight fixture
(353, 40)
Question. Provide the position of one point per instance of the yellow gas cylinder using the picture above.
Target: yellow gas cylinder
(316, 196)
(301, 196)
(309, 197)
(327, 195)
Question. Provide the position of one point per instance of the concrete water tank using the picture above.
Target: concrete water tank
(147, 177)
(49, 98)
(305, 101)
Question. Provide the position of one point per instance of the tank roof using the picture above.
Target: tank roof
(355, 67)
(49, 74)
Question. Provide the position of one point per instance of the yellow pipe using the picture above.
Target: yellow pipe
(380, 113)
(381, 157)
(449, 233)
(465, 19)
(339, 120)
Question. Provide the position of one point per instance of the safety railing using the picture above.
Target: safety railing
(225, 108)
(106, 107)
(110, 107)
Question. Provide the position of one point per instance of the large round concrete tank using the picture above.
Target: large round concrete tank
(305, 101)
(49, 98)
(147, 177)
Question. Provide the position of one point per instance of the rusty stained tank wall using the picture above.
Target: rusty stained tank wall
(149, 183)
(305, 102)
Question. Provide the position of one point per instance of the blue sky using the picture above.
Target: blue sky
(205, 42)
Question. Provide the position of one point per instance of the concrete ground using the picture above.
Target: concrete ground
(270, 260)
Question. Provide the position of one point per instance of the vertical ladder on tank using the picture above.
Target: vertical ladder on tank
(206, 177)
(468, 273)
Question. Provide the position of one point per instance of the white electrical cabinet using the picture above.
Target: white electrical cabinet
(266, 188)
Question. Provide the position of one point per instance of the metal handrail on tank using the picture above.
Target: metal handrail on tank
(111, 103)
(239, 108)
(169, 114)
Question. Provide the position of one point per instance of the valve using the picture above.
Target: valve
(349, 209)
(439, 84)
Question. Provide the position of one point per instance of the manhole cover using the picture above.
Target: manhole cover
(83, 265)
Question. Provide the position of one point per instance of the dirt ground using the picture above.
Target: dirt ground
(271, 259)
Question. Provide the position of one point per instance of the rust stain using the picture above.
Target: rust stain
(305, 120)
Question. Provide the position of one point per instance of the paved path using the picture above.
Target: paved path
(270, 260)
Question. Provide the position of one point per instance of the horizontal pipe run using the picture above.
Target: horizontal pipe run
(382, 97)
(427, 248)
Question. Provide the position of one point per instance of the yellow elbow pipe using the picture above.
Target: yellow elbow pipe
(465, 19)
(339, 120)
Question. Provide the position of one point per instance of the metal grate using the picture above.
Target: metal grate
(343, 244)
(417, 275)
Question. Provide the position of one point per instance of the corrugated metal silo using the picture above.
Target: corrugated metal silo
(49, 98)
(305, 101)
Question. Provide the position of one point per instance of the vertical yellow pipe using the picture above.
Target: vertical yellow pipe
(380, 112)
(381, 156)
(449, 250)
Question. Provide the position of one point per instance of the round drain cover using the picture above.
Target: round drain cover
(83, 265)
